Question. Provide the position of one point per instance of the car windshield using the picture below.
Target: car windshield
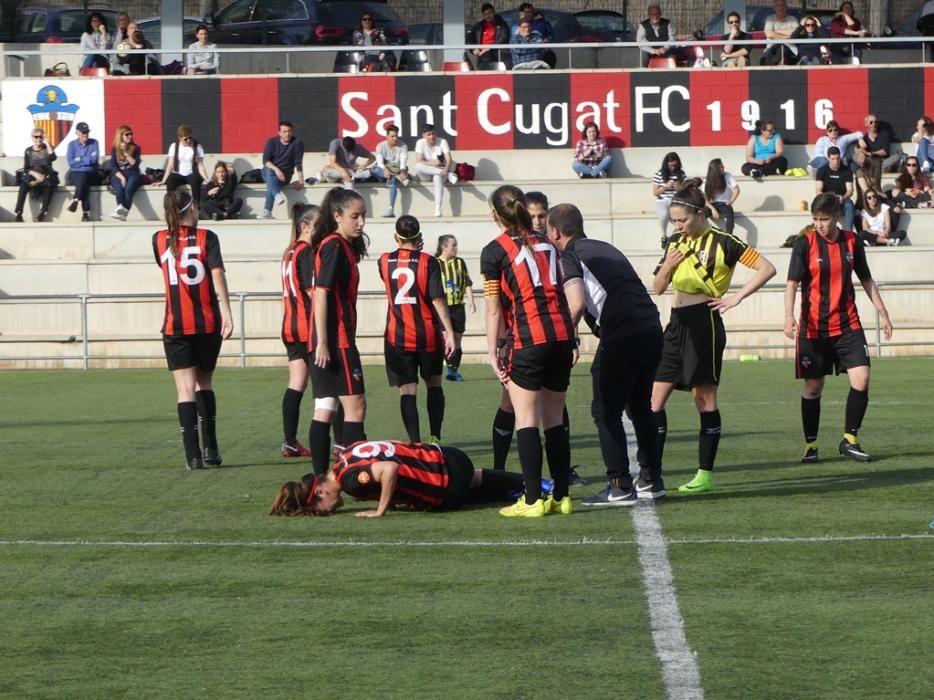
(345, 13)
(610, 23)
(75, 21)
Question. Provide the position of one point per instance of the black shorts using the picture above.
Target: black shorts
(186, 351)
(296, 351)
(538, 366)
(460, 469)
(458, 317)
(404, 366)
(817, 357)
(342, 377)
(693, 351)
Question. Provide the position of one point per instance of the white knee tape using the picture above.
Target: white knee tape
(328, 404)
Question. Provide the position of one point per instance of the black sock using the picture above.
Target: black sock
(566, 420)
(188, 422)
(409, 410)
(503, 426)
(319, 444)
(856, 404)
(207, 411)
(291, 407)
(661, 423)
(454, 362)
(353, 432)
(337, 425)
(558, 452)
(810, 418)
(435, 410)
(709, 440)
(530, 459)
(496, 485)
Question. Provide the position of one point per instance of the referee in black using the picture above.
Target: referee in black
(601, 285)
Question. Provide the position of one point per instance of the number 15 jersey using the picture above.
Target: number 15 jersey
(191, 304)
(530, 288)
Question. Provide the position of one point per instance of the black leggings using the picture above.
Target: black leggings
(725, 223)
(776, 167)
(46, 191)
(193, 181)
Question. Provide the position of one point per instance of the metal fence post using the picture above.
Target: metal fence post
(84, 330)
(242, 296)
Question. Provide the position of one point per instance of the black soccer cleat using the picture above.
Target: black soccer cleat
(810, 455)
(854, 451)
(212, 457)
(194, 463)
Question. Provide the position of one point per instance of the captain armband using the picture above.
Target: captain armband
(491, 288)
(750, 257)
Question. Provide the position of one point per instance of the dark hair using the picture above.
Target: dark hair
(99, 17)
(428, 127)
(879, 198)
(335, 202)
(689, 197)
(526, 6)
(928, 125)
(348, 142)
(826, 203)
(536, 197)
(587, 125)
(844, 4)
(905, 179)
(671, 155)
(716, 180)
(486, 6)
(301, 214)
(138, 37)
(762, 124)
(408, 228)
(832, 123)
(734, 14)
(567, 219)
(391, 128)
(290, 500)
(175, 205)
(443, 241)
(510, 206)
(200, 27)
(833, 151)
(287, 123)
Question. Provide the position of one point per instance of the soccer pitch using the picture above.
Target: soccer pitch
(124, 575)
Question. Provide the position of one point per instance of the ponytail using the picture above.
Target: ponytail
(508, 201)
(175, 204)
(442, 241)
(301, 214)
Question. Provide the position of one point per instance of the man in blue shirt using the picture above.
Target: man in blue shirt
(83, 157)
(530, 55)
(282, 158)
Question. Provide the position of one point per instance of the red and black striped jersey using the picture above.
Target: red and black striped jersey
(825, 270)
(531, 288)
(421, 481)
(297, 280)
(191, 304)
(413, 280)
(336, 271)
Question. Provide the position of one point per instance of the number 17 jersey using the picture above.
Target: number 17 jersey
(191, 304)
(531, 290)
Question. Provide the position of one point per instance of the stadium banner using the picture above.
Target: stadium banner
(476, 111)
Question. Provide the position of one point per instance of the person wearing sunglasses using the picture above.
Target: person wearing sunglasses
(810, 54)
(874, 150)
(734, 56)
(37, 176)
(912, 187)
(878, 221)
(368, 35)
(832, 137)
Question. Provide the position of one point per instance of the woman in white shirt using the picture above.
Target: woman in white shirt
(720, 191)
(877, 221)
(433, 159)
(185, 164)
(95, 39)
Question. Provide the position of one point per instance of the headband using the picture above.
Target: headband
(186, 206)
(682, 203)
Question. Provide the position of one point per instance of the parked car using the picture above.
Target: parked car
(565, 26)
(755, 22)
(152, 29)
(44, 24)
(608, 25)
(289, 22)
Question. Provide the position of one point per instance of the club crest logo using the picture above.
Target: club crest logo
(357, 374)
(806, 362)
(702, 256)
(849, 256)
(53, 114)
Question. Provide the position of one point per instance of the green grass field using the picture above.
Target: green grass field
(792, 581)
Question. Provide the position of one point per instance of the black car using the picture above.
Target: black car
(606, 24)
(290, 22)
(565, 26)
(56, 25)
(152, 29)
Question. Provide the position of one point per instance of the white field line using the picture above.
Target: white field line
(680, 673)
(583, 542)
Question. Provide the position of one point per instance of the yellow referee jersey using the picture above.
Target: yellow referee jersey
(456, 280)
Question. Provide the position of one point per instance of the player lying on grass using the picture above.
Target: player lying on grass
(420, 476)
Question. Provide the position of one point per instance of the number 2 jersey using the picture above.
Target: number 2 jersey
(530, 288)
(413, 280)
(191, 304)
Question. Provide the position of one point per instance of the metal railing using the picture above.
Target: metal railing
(242, 333)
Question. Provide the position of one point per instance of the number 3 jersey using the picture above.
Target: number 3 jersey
(191, 304)
(530, 288)
(413, 280)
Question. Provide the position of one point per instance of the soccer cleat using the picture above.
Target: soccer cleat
(810, 455)
(213, 457)
(611, 497)
(562, 507)
(701, 483)
(295, 449)
(194, 463)
(854, 451)
(435, 440)
(575, 479)
(650, 489)
(521, 509)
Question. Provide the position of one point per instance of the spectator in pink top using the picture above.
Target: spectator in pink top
(591, 156)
